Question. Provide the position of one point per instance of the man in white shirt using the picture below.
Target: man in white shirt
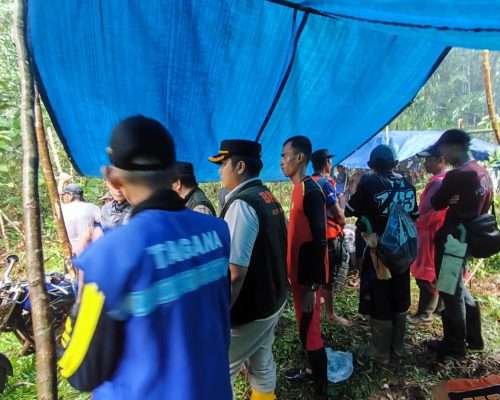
(257, 260)
(80, 217)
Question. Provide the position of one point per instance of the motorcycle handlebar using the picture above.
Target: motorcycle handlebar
(11, 261)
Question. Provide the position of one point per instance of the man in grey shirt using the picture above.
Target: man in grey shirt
(117, 211)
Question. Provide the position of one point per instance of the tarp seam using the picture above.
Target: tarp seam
(311, 10)
(284, 80)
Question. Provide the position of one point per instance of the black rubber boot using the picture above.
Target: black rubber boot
(398, 334)
(473, 326)
(381, 340)
(319, 365)
(453, 344)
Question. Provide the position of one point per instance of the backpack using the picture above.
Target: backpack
(483, 235)
(397, 247)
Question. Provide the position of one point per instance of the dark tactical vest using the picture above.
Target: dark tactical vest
(197, 198)
(265, 288)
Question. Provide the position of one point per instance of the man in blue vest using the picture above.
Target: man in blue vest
(153, 317)
(258, 264)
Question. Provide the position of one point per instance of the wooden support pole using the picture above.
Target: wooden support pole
(53, 151)
(44, 339)
(50, 180)
(489, 94)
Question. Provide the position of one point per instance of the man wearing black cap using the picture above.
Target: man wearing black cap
(258, 264)
(428, 222)
(81, 218)
(307, 259)
(185, 186)
(153, 319)
(337, 257)
(468, 192)
(385, 297)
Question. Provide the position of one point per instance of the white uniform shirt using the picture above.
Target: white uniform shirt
(243, 224)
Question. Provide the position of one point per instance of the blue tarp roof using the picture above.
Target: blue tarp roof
(211, 70)
(408, 143)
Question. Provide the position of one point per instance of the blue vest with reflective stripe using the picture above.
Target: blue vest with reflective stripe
(166, 274)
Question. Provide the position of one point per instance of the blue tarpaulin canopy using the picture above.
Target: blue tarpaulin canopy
(408, 143)
(255, 69)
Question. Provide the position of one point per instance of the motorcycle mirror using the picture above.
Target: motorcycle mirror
(12, 259)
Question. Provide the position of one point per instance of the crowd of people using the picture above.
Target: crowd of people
(174, 302)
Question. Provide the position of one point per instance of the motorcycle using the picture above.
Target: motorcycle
(15, 310)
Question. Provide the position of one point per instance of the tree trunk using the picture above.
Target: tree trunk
(489, 94)
(50, 180)
(44, 339)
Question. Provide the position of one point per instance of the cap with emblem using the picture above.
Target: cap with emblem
(321, 154)
(141, 144)
(237, 147)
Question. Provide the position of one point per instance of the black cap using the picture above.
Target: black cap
(237, 147)
(73, 188)
(141, 144)
(321, 154)
(431, 151)
(382, 157)
(454, 136)
(183, 168)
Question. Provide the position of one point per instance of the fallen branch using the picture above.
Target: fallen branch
(4, 235)
(11, 223)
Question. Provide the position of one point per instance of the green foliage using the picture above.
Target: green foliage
(455, 91)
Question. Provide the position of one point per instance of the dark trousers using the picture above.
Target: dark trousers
(461, 318)
(381, 299)
(428, 298)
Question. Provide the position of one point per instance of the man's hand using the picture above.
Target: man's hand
(308, 301)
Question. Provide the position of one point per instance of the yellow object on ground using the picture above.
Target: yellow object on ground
(262, 396)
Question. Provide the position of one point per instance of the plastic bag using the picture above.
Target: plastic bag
(398, 244)
(340, 366)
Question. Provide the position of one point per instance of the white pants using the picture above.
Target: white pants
(252, 346)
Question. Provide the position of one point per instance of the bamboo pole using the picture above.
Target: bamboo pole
(50, 180)
(44, 339)
(53, 151)
(489, 94)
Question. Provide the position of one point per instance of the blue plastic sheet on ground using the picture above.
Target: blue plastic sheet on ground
(409, 143)
(212, 70)
(340, 365)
